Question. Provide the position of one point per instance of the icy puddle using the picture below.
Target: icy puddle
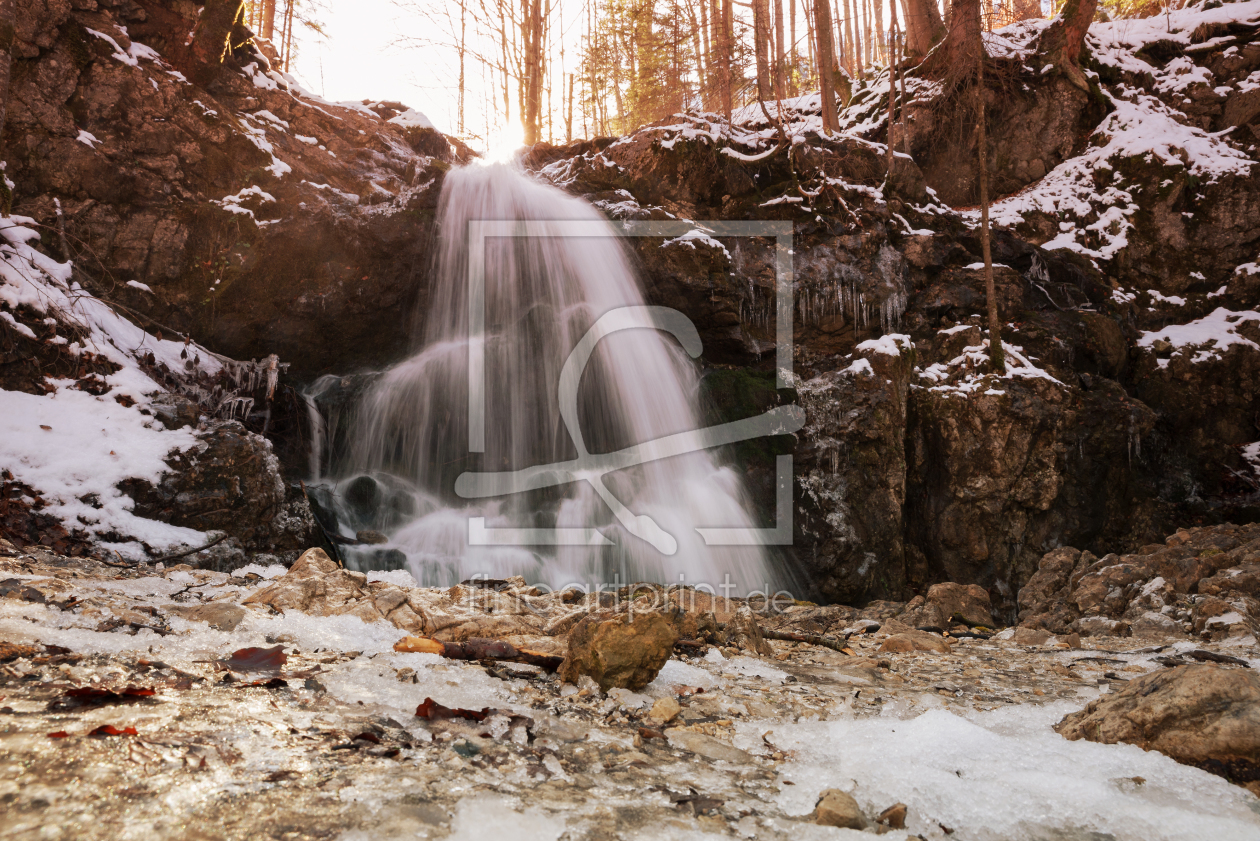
(333, 748)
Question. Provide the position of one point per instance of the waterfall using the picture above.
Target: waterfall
(408, 438)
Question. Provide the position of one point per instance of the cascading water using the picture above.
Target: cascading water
(408, 438)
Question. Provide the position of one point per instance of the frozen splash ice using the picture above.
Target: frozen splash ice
(1006, 774)
(409, 434)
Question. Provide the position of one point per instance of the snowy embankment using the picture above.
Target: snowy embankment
(73, 447)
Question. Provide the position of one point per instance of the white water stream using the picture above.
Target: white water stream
(409, 432)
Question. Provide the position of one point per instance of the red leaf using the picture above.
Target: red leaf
(434, 711)
(95, 696)
(111, 730)
(256, 659)
(60, 734)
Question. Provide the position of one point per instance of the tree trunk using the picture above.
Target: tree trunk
(728, 58)
(996, 356)
(288, 35)
(892, 86)
(791, 53)
(881, 37)
(8, 20)
(1062, 40)
(826, 64)
(211, 39)
(706, 78)
(269, 19)
(780, 60)
(924, 27)
(866, 26)
(959, 54)
(761, 37)
(851, 46)
(532, 27)
(568, 118)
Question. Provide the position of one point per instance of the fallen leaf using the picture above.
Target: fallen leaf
(45, 426)
(95, 696)
(60, 734)
(255, 660)
(434, 711)
(111, 730)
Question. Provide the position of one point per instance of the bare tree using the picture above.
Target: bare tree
(826, 64)
(1062, 40)
(924, 27)
(780, 63)
(996, 356)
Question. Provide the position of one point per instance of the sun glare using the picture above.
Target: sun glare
(505, 144)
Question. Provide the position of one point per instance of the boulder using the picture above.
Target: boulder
(1207, 716)
(229, 482)
(949, 604)
(837, 808)
(909, 641)
(627, 650)
(315, 584)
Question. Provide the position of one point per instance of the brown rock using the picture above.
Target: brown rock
(1204, 715)
(664, 710)
(1031, 636)
(966, 603)
(627, 650)
(743, 631)
(222, 616)
(315, 584)
(705, 746)
(836, 808)
(915, 641)
(894, 816)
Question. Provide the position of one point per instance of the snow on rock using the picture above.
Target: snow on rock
(75, 447)
(411, 118)
(967, 373)
(1211, 335)
(694, 237)
(890, 344)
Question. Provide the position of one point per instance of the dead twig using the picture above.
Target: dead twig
(787, 636)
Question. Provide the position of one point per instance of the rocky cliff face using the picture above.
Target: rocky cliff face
(1128, 403)
(258, 219)
(261, 218)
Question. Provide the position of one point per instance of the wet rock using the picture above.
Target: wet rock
(1205, 715)
(851, 472)
(626, 651)
(837, 808)
(222, 616)
(706, 746)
